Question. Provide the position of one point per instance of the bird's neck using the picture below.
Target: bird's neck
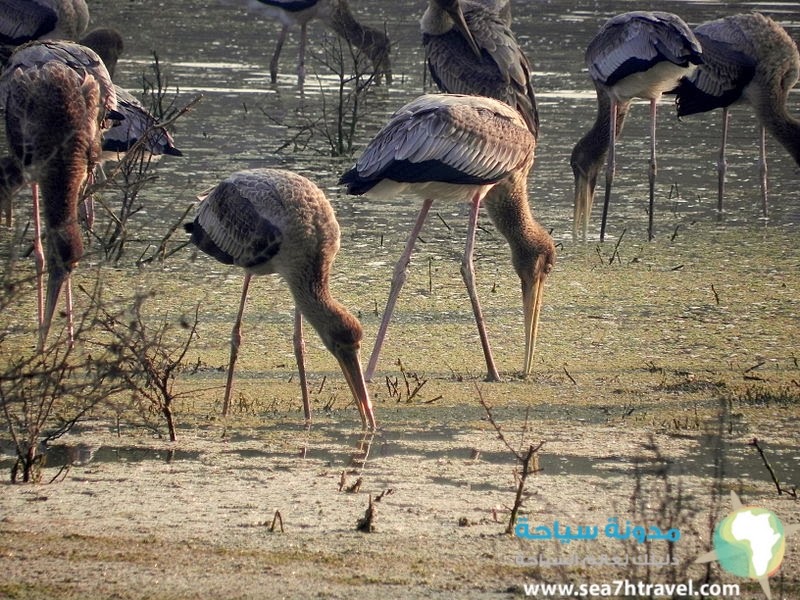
(312, 296)
(784, 127)
(61, 183)
(508, 207)
(590, 152)
(341, 19)
(60, 202)
(374, 43)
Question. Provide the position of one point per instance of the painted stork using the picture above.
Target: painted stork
(471, 49)
(747, 59)
(57, 97)
(27, 20)
(634, 55)
(274, 221)
(457, 148)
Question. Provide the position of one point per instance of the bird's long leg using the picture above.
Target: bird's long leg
(301, 60)
(468, 274)
(68, 301)
(273, 65)
(722, 163)
(300, 357)
(762, 169)
(651, 174)
(398, 279)
(6, 209)
(610, 165)
(236, 340)
(38, 253)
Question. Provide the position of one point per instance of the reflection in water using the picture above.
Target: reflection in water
(82, 454)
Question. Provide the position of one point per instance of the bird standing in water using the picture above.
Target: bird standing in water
(457, 148)
(747, 59)
(275, 221)
(57, 96)
(336, 14)
(634, 55)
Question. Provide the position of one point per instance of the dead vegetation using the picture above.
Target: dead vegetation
(43, 395)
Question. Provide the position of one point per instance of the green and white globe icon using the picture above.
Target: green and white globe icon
(750, 542)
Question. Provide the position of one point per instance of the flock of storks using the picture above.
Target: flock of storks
(474, 143)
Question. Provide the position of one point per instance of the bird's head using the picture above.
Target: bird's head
(585, 168)
(342, 336)
(64, 249)
(107, 42)
(453, 10)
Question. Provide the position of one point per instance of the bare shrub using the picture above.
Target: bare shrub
(148, 363)
(43, 394)
(341, 108)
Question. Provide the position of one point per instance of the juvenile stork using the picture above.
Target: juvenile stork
(373, 43)
(135, 123)
(108, 44)
(747, 59)
(457, 148)
(57, 96)
(336, 14)
(634, 55)
(471, 49)
(274, 221)
(26, 20)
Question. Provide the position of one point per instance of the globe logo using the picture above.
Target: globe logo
(750, 542)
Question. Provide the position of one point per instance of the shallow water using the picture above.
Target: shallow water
(635, 363)
(223, 53)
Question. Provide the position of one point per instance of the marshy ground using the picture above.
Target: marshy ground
(654, 372)
(656, 367)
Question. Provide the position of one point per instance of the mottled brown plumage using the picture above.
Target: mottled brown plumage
(108, 44)
(747, 59)
(55, 101)
(274, 221)
(26, 20)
